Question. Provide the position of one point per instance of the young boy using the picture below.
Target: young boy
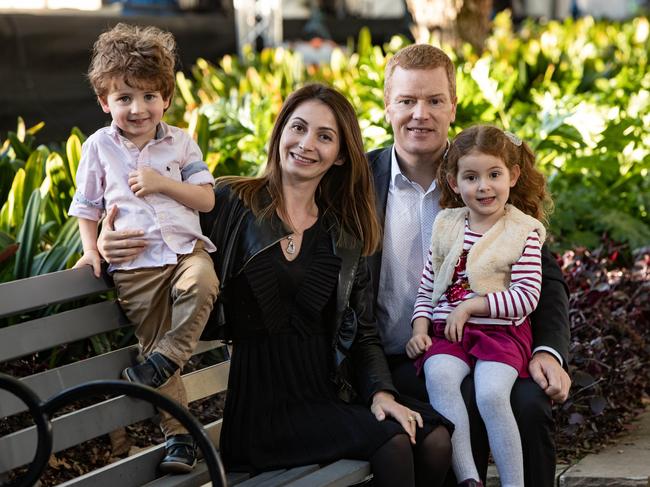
(156, 175)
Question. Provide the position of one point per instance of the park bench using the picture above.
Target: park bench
(79, 306)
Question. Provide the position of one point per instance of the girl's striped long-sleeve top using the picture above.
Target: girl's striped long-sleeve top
(508, 307)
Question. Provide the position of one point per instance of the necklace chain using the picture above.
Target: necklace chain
(291, 245)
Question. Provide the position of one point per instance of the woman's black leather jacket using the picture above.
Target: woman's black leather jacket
(358, 355)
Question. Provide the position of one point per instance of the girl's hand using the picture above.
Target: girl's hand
(146, 181)
(418, 344)
(456, 323)
(384, 405)
(91, 258)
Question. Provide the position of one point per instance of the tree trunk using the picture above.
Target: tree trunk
(452, 21)
(473, 24)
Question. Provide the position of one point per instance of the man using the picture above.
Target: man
(420, 100)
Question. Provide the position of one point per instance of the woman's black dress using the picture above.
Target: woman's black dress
(281, 408)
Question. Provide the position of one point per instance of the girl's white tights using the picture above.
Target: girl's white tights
(493, 382)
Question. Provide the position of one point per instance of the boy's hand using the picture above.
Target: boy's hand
(146, 181)
(91, 258)
(418, 344)
(456, 322)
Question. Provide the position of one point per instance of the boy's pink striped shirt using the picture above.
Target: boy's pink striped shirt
(170, 228)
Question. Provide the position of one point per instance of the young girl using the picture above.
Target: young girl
(481, 282)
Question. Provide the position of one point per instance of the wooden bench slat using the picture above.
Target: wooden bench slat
(40, 291)
(288, 476)
(138, 470)
(337, 474)
(65, 327)
(202, 383)
(197, 477)
(105, 366)
(70, 429)
(262, 477)
(133, 471)
(50, 382)
(235, 478)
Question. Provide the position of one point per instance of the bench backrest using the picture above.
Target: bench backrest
(69, 290)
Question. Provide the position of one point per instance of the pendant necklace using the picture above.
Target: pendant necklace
(291, 247)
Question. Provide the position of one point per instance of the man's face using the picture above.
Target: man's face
(420, 110)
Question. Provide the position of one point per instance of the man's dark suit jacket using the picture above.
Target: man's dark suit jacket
(550, 321)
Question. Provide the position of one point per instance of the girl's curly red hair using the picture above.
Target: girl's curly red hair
(530, 194)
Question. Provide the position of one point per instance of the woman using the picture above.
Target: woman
(299, 309)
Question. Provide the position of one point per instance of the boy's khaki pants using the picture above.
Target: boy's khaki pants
(169, 307)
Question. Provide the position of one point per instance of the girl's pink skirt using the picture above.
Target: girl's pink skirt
(497, 343)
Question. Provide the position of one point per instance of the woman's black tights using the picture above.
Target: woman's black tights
(397, 462)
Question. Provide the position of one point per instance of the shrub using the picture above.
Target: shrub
(578, 91)
(36, 236)
(610, 346)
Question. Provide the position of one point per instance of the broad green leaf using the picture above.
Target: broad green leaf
(73, 154)
(20, 149)
(28, 237)
(12, 212)
(184, 87)
(20, 130)
(35, 169)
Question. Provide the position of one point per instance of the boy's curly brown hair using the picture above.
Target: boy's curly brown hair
(529, 194)
(144, 56)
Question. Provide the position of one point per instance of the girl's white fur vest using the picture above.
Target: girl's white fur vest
(490, 260)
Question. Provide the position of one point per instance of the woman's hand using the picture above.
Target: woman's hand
(384, 405)
(119, 247)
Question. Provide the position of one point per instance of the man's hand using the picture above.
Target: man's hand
(146, 181)
(550, 376)
(119, 247)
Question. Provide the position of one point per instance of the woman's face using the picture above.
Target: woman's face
(310, 143)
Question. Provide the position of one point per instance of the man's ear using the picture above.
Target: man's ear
(453, 183)
(103, 102)
(515, 172)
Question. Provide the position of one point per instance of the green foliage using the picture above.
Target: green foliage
(577, 91)
(36, 236)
